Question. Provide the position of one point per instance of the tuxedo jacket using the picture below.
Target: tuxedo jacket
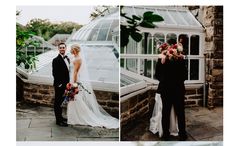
(60, 72)
(171, 76)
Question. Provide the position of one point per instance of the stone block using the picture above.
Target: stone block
(124, 106)
(218, 78)
(217, 72)
(115, 96)
(218, 63)
(32, 90)
(113, 104)
(102, 102)
(218, 55)
(37, 96)
(216, 85)
(190, 102)
(190, 91)
(141, 97)
(44, 91)
(133, 102)
(143, 111)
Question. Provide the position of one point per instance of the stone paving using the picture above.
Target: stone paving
(37, 123)
(202, 125)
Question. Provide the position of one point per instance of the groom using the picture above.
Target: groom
(171, 76)
(60, 71)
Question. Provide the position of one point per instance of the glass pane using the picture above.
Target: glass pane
(184, 40)
(171, 38)
(128, 10)
(176, 17)
(194, 45)
(154, 68)
(194, 69)
(139, 11)
(165, 15)
(104, 30)
(186, 64)
(159, 39)
(145, 67)
(188, 18)
(102, 35)
(122, 62)
(131, 65)
(145, 43)
(113, 26)
(93, 35)
(150, 45)
(131, 46)
(126, 80)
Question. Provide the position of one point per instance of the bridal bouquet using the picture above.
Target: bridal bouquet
(171, 52)
(71, 90)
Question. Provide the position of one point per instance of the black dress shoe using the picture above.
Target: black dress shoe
(165, 138)
(62, 124)
(183, 137)
(64, 119)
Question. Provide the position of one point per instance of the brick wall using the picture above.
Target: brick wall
(141, 105)
(44, 95)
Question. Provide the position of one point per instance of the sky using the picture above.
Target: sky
(79, 14)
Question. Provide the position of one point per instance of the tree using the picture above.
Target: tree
(99, 10)
(131, 24)
(41, 27)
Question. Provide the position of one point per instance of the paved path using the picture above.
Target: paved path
(202, 125)
(37, 123)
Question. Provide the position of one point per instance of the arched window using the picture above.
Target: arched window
(171, 38)
(183, 39)
(194, 45)
(159, 38)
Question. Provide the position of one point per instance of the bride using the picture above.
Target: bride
(84, 109)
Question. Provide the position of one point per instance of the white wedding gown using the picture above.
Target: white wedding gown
(156, 119)
(85, 110)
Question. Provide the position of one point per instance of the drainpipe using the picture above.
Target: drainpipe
(145, 52)
(205, 83)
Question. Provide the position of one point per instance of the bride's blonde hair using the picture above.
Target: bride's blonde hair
(75, 48)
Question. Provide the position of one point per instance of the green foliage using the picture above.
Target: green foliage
(130, 29)
(24, 40)
(46, 29)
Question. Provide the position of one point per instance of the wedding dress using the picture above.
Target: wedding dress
(85, 110)
(156, 119)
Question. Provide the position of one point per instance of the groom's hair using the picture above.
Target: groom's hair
(61, 44)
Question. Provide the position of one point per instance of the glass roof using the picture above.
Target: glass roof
(130, 83)
(103, 67)
(173, 16)
(99, 29)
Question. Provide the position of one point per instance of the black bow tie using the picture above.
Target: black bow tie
(65, 56)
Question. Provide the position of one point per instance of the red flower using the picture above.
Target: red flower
(68, 86)
(175, 46)
(171, 51)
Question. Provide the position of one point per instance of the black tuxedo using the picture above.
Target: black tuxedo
(171, 76)
(61, 78)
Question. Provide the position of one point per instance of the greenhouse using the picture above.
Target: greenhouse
(140, 58)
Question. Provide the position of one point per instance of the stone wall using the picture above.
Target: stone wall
(213, 22)
(211, 17)
(135, 107)
(44, 95)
